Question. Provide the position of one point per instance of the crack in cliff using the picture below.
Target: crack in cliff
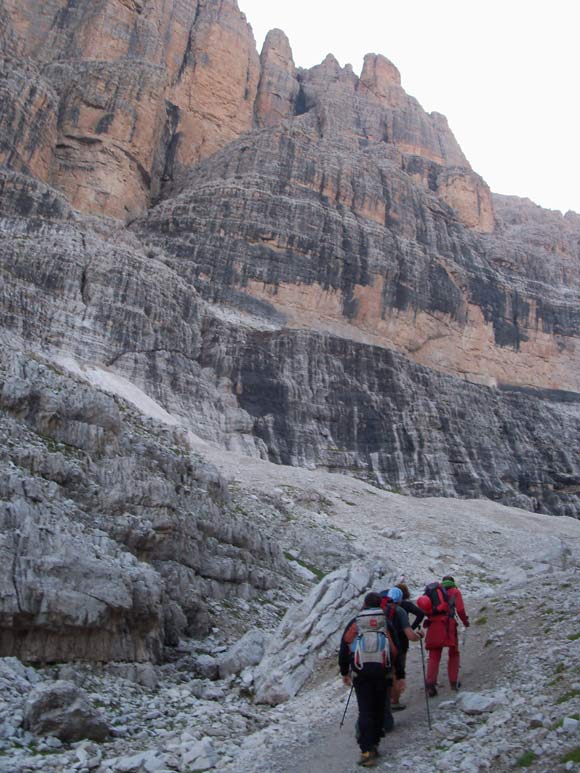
(120, 355)
(189, 46)
(14, 574)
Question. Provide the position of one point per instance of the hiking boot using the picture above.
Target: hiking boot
(368, 759)
(455, 686)
(431, 690)
(398, 706)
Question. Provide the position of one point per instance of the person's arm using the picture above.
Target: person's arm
(409, 606)
(344, 651)
(460, 609)
(405, 626)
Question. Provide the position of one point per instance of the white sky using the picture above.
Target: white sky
(504, 72)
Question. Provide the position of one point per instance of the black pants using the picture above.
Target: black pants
(371, 694)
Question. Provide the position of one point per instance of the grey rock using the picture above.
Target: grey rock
(200, 756)
(480, 703)
(207, 666)
(247, 651)
(311, 630)
(144, 674)
(86, 490)
(63, 710)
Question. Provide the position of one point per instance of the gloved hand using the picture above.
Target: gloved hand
(467, 624)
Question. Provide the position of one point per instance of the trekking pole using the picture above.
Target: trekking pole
(425, 684)
(463, 641)
(346, 707)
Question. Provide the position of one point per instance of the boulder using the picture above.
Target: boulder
(481, 703)
(63, 710)
(311, 631)
(248, 651)
(201, 756)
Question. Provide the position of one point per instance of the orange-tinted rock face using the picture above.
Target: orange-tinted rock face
(278, 88)
(382, 79)
(28, 117)
(127, 127)
(469, 196)
(198, 55)
(111, 118)
(216, 86)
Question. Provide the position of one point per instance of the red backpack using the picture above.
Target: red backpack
(441, 602)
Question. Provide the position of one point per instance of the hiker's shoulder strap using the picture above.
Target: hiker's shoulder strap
(350, 632)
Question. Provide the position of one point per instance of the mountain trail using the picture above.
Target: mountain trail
(320, 744)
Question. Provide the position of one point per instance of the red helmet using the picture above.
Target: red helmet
(424, 604)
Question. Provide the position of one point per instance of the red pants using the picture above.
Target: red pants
(435, 659)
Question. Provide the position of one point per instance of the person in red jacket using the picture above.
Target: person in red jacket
(442, 630)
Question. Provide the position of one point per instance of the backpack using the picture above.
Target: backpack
(441, 602)
(371, 643)
(388, 607)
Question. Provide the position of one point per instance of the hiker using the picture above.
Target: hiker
(441, 602)
(404, 633)
(365, 657)
(410, 608)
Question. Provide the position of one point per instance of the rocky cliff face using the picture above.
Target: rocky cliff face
(145, 89)
(299, 265)
(116, 538)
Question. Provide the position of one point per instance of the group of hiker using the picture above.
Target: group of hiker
(374, 646)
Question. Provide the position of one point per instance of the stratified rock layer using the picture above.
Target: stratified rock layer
(335, 236)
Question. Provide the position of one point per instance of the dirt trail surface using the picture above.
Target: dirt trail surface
(337, 749)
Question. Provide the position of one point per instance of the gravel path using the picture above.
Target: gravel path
(327, 747)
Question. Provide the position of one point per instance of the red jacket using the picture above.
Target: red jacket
(442, 629)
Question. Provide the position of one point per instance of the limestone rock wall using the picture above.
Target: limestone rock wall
(326, 401)
(114, 537)
(149, 88)
(110, 129)
(290, 200)
(278, 89)
(338, 238)
(146, 88)
(28, 119)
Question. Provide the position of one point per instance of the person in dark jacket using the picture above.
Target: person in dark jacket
(369, 679)
(411, 609)
(391, 602)
(442, 632)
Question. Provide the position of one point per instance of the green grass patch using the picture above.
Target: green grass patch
(556, 680)
(488, 643)
(572, 756)
(318, 573)
(482, 609)
(560, 668)
(481, 620)
(568, 696)
(525, 760)
(574, 636)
